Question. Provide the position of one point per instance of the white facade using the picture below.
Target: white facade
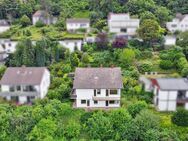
(74, 24)
(178, 24)
(72, 44)
(122, 23)
(23, 93)
(168, 100)
(90, 98)
(4, 28)
(6, 47)
(47, 21)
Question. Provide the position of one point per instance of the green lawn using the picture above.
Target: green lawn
(81, 14)
(17, 33)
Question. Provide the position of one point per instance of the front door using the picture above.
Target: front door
(88, 103)
(106, 103)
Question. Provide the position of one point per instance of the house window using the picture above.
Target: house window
(95, 92)
(98, 91)
(30, 99)
(15, 98)
(123, 29)
(18, 88)
(82, 25)
(95, 102)
(113, 102)
(11, 89)
(83, 101)
(75, 44)
(173, 25)
(107, 92)
(113, 92)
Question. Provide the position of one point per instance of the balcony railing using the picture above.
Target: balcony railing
(3, 94)
(105, 98)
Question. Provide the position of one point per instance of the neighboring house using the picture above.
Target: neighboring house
(44, 17)
(179, 23)
(97, 88)
(170, 40)
(170, 93)
(122, 23)
(4, 26)
(146, 84)
(76, 24)
(6, 47)
(72, 44)
(24, 84)
(90, 40)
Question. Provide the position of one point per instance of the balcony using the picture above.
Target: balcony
(73, 95)
(17, 93)
(182, 100)
(107, 98)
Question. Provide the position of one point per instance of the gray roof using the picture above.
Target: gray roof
(81, 20)
(98, 78)
(172, 83)
(23, 76)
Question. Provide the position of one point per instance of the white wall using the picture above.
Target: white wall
(4, 28)
(75, 26)
(180, 25)
(118, 21)
(71, 44)
(10, 46)
(166, 100)
(45, 83)
(87, 94)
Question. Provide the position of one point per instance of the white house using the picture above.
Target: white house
(44, 17)
(122, 23)
(75, 24)
(179, 23)
(24, 84)
(72, 44)
(170, 93)
(97, 88)
(6, 47)
(4, 26)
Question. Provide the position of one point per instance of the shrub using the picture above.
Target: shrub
(166, 64)
(135, 108)
(39, 24)
(72, 129)
(25, 21)
(184, 71)
(146, 54)
(119, 42)
(145, 67)
(180, 117)
(82, 30)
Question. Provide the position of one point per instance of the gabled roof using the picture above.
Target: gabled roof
(180, 16)
(171, 83)
(23, 76)
(80, 20)
(40, 13)
(98, 78)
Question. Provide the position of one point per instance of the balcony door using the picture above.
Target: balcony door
(88, 103)
(107, 103)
